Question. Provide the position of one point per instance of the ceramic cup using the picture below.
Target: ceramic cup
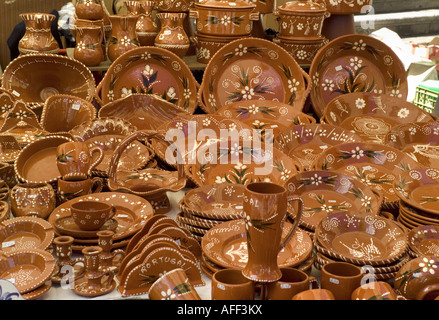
(75, 160)
(91, 215)
(230, 284)
(173, 285)
(375, 290)
(341, 278)
(314, 294)
(291, 283)
(68, 190)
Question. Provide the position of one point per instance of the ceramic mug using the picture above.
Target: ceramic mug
(75, 160)
(265, 212)
(291, 283)
(314, 294)
(341, 278)
(375, 290)
(230, 284)
(68, 190)
(173, 285)
(91, 215)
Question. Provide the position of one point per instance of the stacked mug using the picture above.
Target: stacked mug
(300, 28)
(220, 22)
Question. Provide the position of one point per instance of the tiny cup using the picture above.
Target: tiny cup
(91, 215)
(230, 284)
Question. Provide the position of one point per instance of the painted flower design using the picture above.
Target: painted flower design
(240, 50)
(403, 113)
(125, 41)
(145, 56)
(179, 125)
(359, 45)
(356, 63)
(186, 93)
(247, 93)
(316, 179)
(80, 46)
(301, 54)
(299, 26)
(396, 93)
(412, 131)
(253, 109)
(285, 174)
(428, 266)
(212, 99)
(148, 71)
(206, 122)
(248, 222)
(284, 25)
(171, 93)
(125, 92)
(220, 179)
(236, 150)
(328, 85)
(168, 295)
(365, 202)
(110, 95)
(357, 153)
(360, 103)
(225, 20)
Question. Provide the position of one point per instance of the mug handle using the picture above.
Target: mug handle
(99, 183)
(314, 283)
(112, 212)
(296, 218)
(98, 160)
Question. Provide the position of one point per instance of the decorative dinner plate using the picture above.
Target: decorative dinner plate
(374, 164)
(362, 240)
(66, 226)
(420, 189)
(419, 140)
(354, 63)
(415, 214)
(305, 142)
(150, 70)
(144, 111)
(424, 240)
(371, 115)
(131, 211)
(252, 69)
(226, 245)
(35, 77)
(326, 192)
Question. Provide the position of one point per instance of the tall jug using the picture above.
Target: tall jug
(146, 27)
(123, 35)
(88, 47)
(38, 37)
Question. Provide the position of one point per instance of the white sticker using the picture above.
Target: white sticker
(220, 286)
(76, 106)
(367, 168)
(336, 281)
(8, 244)
(332, 201)
(15, 93)
(338, 68)
(285, 286)
(167, 32)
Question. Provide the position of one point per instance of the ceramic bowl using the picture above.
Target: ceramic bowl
(303, 50)
(346, 7)
(424, 240)
(35, 77)
(206, 45)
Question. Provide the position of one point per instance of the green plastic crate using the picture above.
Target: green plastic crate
(426, 95)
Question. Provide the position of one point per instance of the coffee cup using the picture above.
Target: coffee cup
(292, 282)
(91, 215)
(341, 278)
(230, 284)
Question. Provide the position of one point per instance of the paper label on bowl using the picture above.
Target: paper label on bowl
(220, 286)
(338, 68)
(336, 281)
(8, 244)
(76, 106)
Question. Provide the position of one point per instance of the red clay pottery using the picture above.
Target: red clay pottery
(230, 284)
(75, 160)
(146, 28)
(32, 199)
(174, 5)
(68, 190)
(345, 7)
(123, 35)
(91, 215)
(38, 37)
(291, 283)
(303, 50)
(207, 46)
(341, 278)
(88, 48)
(375, 290)
(65, 270)
(89, 9)
(173, 285)
(110, 259)
(265, 210)
(172, 35)
(314, 294)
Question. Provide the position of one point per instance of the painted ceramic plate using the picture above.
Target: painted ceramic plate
(424, 240)
(131, 211)
(305, 142)
(265, 114)
(420, 189)
(371, 115)
(419, 140)
(144, 111)
(374, 164)
(326, 192)
(150, 70)
(421, 217)
(226, 245)
(362, 240)
(354, 63)
(35, 77)
(252, 69)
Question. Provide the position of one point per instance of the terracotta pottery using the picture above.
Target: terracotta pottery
(89, 9)
(38, 37)
(94, 282)
(173, 285)
(91, 215)
(301, 18)
(265, 210)
(146, 28)
(291, 283)
(206, 45)
(224, 18)
(66, 267)
(375, 290)
(230, 284)
(32, 199)
(5, 211)
(10, 148)
(88, 48)
(424, 240)
(345, 7)
(76, 161)
(35, 77)
(110, 259)
(123, 35)
(68, 190)
(172, 35)
(62, 112)
(418, 279)
(303, 50)
(314, 294)
(341, 278)
(174, 6)
(106, 33)
(7, 173)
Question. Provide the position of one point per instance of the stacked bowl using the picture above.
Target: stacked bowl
(300, 27)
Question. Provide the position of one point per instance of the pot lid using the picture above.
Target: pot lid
(221, 4)
(302, 6)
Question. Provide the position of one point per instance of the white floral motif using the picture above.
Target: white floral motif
(171, 93)
(247, 93)
(292, 85)
(299, 26)
(240, 50)
(356, 63)
(428, 266)
(301, 54)
(328, 85)
(359, 45)
(125, 41)
(403, 113)
(168, 295)
(125, 92)
(357, 153)
(148, 71)
(360, 103)
(253, 109)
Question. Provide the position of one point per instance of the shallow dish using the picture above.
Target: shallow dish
(424, 240)
(354, 63)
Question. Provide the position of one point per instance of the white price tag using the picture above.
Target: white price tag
(167, 32)
(285, 286)
(76, 106)
(220, 286)
(338, 68)
(8, 244)
(15, 93)
(336, 281)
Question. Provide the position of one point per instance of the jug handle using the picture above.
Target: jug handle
(296, 218)
(98, 160)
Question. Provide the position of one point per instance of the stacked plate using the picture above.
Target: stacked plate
(424, 241)
(207, 206)
(377, 244)
(418, 190)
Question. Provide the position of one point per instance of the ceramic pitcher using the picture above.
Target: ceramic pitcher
(146, 28)
(123, 35)
(89, 9)
(38, 37)
(172, 35)
(88, 47)
(265, 211)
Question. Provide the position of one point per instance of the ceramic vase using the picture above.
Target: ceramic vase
(146, 28)
(172, 35)
(32, 199)
(88, 49)
(89, 9)
(65, 269)
(123, 35)
(110, 259)
(38, 37)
